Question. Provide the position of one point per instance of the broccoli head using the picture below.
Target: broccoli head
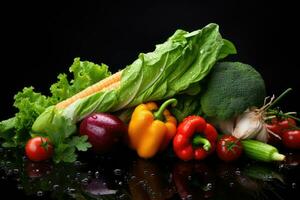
(232, 87)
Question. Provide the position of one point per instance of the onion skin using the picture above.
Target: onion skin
(249, 125)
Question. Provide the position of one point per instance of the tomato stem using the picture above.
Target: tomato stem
(230, 145)
(279, 98)
(285, 115)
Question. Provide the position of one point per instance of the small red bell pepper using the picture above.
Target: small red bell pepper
(189, 143)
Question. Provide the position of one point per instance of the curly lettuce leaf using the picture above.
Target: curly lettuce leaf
(85, 74)
(31, 104)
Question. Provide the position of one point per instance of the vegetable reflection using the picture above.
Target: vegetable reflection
(113, 177)
(194, 180)
(149, 182)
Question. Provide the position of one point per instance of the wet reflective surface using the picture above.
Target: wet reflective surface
(125, 176)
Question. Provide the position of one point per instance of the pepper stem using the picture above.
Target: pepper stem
(159, 114)
(201, 140)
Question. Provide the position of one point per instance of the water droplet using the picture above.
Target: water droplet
(55, 187)
(281, 166)
(94, 116)
(85, 181)
(70, 190)
(189, 177)
(146, 172)
(117, 172)
(208, 187)
(9, 172)
(294, 185)
(39, 193)
(231, 184)
(189, 197)
(20, 187)
(77, 163)
(122, 196)
(78, 174)
(238, 172)
(97, 174)
(16, 171)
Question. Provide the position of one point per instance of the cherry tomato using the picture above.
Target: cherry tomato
(39, 149)
(291, 139)
(274, 127)
(277, 127)
(287, 123)
(229, 148)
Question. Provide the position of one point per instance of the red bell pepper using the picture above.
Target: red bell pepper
(188, 143)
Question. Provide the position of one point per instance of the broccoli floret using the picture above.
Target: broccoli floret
(232, 87)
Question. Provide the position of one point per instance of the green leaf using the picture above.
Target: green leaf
(7, 128)
(53, 125)
(30, 105)
(9, 144)
(174, 67)
(184, 59)
(84, 74)
(80, 142)
(65, 153)
(187, 105)
(227, 48)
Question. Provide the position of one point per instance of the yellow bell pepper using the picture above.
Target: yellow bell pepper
(149, 131)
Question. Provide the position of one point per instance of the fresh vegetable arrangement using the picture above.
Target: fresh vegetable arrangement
(206, 98)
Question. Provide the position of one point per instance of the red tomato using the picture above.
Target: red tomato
(229, 148)
(39, 149)
(287, 123)
(278, 127)
(274, 127)
(291, 139)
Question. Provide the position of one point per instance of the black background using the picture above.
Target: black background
(40, 40)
